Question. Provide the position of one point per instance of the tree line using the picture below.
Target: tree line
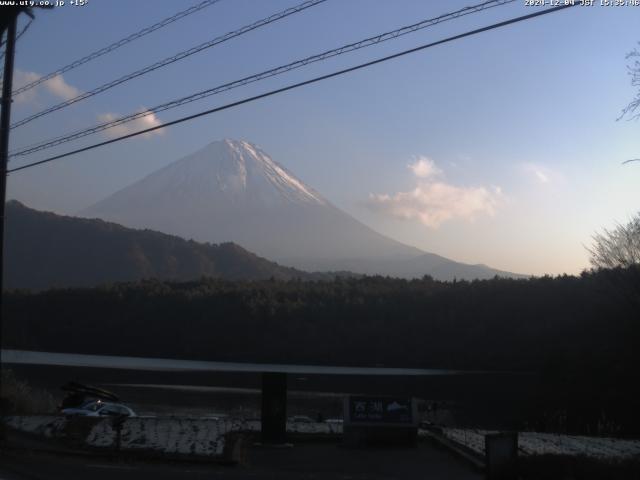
(579, 333)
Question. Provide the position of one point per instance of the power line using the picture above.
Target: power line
(24, 29)
(297, 85)
(175, 58)
(110, 48)
(20, 33)
(261, 76)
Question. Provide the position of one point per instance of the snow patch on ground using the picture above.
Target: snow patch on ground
(186, 436)
(101, 435)
(46, 425)
(535, 443)
(170, 435)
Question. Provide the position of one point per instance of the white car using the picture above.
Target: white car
(98, 408)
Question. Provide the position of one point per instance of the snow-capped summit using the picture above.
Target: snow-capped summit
(232, 190)
(241, 168)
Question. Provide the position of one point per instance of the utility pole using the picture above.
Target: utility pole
(8, 25)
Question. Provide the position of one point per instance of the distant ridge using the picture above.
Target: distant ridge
(44, 250)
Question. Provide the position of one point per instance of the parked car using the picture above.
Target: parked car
(78, 395)
(98, 408)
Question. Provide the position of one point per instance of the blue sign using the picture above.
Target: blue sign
(380, 410)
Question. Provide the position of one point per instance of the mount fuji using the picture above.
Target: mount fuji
(232, 191)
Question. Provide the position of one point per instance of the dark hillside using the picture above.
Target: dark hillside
(44, 250)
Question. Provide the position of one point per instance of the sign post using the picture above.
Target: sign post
(274, 408)
(380, 420)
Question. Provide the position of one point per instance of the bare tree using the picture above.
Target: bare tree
(632, 111)
(619, 247)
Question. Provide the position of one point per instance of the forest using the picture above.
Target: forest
(578, 334)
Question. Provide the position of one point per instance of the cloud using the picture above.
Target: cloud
(541, 176)
(538, 173)
(21, 78)
(147, 121)
(56, 86)
(424, 167)
(433, 202)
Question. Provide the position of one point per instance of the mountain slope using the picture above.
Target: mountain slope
(440, 268)
(45, 250)
(233, 191)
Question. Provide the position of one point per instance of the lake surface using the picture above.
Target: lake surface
(27, 357)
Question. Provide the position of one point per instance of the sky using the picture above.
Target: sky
(502, 148)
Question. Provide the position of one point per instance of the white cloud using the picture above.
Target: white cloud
(424, 167)
(142, 123)
(541, 176)
(56, 86)
(538, 173)
(60, 88)
(21, 78)
(433, 202)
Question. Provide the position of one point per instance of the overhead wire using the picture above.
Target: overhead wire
(115, 45)
(169, 60)
(20, 33)
(298, 85)
(367, 42)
